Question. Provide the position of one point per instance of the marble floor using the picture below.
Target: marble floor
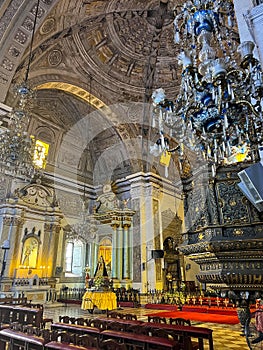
(226, 337)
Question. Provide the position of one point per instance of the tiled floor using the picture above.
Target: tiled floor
(226, 337)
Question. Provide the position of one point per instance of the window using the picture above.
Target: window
(40, 154)
(74, 264)
(69, 256)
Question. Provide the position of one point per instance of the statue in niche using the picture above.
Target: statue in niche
(30, 252)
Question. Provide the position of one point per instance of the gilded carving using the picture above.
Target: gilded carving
(233, 210)
(238, 232)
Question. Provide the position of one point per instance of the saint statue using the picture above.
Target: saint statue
(101, 270)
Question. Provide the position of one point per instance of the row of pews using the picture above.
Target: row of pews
(23, 314)
(116, 331)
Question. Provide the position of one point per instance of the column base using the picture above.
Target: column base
(116, 282)
(126, 283)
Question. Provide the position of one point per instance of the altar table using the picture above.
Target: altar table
(102, 300)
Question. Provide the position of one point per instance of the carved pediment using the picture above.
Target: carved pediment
(37, 195)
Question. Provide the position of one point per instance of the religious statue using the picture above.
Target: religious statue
(101, 270)
(30, 252)
(101, 280)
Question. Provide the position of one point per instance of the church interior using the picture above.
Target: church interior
(131, 138)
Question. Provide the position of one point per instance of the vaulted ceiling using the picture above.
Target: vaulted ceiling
(88, 56)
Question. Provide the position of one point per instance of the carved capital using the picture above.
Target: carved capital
(52, 227)
(16, 221)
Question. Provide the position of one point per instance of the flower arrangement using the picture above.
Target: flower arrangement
(100, 283)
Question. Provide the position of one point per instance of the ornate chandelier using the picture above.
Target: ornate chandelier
(18, 152)
(17, 147)
(85, 229)
(218, 111)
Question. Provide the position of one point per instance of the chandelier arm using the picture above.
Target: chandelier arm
(247, 103)
(171, 150)
(244, 77)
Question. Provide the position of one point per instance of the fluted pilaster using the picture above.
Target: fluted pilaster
(114, 258)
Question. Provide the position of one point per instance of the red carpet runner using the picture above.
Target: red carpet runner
(203, 315)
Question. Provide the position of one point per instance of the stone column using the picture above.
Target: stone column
(114, 260)
(51, 247)
(119, 252)
(126, 253)
(95, 250)
(13, 228)
(88, 255)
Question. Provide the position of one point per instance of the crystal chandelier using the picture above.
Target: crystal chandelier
(17, 147)
(218, 110)
(85, 229)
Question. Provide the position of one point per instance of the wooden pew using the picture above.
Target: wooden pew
(126, 323)
(20, 314)
(67, 341)
(186, 332)
(6, 314)
(64, 346)
(27, 315)
(74, 328)
(18, 340)
(145, 342)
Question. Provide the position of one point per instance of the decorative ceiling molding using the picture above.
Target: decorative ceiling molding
(74, 90)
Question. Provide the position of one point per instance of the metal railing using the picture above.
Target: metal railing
(67, 293)
(122, 294)
(128, 295)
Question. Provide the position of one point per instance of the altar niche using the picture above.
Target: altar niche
(172, 269)
(30, 249)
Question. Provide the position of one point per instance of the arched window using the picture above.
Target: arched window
(74, 258)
